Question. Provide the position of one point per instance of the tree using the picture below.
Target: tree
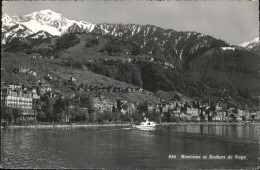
(233, 117)
(175, 118)
(90, 105)
(16, 113)
(253, 117)
(136, 50)
(41, 116)
(151, 116)
(115, 114)
(7, 113)
(58, 109)
(166, 117)
(47, 108)
(143, 107)
(74, 115)
(107, 116)
(4, 115)
(202, 117)
(109, 50)
(124, 117)
(137, 116)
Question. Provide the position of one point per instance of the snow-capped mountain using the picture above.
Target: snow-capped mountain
(51, 22)
(169, 44)
(251, 45)
(7, 22)
(46, 20)
(11, 29)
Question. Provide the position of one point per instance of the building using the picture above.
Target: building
(52, 76)
(241, 113)
(17, 99)
(14, 87)
(150, 107)
(192, 111)
(72, 79)
(28, 115)
(165, 108)
(131, 108)
(102, 104)
(219, 116)
(139, 89)
(177, 111)
(53, 93)
(129, 89)
(44, 88)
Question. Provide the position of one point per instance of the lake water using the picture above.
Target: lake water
(123, 147)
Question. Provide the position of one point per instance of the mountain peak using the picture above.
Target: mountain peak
(4, 15)
(45, 20)
(47, 12)
(246, 44)
(251, 45)
(7, 21)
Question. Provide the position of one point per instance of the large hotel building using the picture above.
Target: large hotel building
(17, 99)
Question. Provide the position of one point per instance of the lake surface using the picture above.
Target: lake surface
(123, 147)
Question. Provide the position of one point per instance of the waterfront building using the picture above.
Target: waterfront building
(241, 113)
(192, 111)
(17, 99)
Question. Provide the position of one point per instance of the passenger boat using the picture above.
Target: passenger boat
(146, 125)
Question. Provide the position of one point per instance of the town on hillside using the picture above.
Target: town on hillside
(41, 102)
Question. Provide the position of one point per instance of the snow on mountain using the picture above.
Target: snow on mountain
(7, 22)
(36, 26)
(51, 22)
(45, 20)
(40, 34)
(15, 31)
(250, 44)
(155, 40)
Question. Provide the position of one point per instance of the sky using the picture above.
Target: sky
(232, 21)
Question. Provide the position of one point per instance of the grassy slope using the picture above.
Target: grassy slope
(43, 66)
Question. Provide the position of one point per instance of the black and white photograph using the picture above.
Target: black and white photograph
(130, 84)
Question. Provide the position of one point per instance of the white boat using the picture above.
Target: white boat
(147, 125)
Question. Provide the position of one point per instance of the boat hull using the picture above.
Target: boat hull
(145, 127)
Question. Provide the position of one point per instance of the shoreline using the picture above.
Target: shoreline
(209, 123)
(75, 125)
(67, 125)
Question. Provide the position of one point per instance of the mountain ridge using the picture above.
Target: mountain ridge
(151, 38)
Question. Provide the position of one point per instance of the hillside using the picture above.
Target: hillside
(222, 71)
(172, 95)
(12, 62)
